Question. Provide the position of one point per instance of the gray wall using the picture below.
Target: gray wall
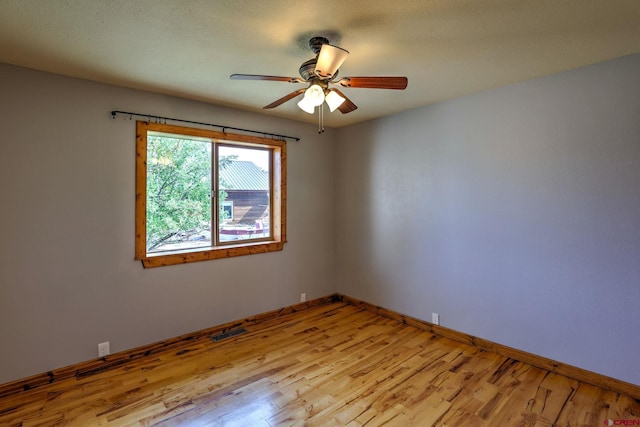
(513, 213)
(68, 279)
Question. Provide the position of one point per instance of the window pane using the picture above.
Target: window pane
(178, 193)
(244, 193)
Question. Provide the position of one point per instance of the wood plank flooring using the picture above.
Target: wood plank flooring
(330, 365)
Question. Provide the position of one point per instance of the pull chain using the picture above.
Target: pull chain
(321, 118)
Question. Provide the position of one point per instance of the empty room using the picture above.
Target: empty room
(283, 213)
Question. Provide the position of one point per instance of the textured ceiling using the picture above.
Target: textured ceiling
(188, 48)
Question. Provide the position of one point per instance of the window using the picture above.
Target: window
(227, 210)
(203, 194)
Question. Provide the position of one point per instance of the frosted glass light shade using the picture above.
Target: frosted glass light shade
(333, 100)
(314, 95)
(306, 106)
(329, 60)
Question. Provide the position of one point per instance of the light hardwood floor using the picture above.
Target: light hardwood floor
(331, 365)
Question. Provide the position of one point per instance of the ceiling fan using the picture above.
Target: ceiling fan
(322, 71)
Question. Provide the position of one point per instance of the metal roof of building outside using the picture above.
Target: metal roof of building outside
(243, 175)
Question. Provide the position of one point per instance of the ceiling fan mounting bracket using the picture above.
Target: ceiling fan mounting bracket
(315, 43)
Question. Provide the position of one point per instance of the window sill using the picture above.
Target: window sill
(161, 260)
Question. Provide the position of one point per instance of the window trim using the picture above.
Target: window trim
(278, 198)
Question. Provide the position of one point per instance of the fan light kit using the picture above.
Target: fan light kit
(320, 72)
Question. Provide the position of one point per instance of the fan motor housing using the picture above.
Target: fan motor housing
(307, 70)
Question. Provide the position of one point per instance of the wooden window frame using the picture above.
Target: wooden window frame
(278, 198)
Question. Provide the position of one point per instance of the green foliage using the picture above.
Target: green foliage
(178, 188)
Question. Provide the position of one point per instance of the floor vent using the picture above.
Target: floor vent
(228, 334)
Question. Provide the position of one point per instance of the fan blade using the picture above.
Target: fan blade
(347, 106)
(399, 83)
(270, 78)
(329, 60)
(284, 99)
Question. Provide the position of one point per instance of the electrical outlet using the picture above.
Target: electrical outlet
(103, 349)
(435, 318)
(303, 297)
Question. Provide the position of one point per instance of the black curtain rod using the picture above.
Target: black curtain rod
(150, 116)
